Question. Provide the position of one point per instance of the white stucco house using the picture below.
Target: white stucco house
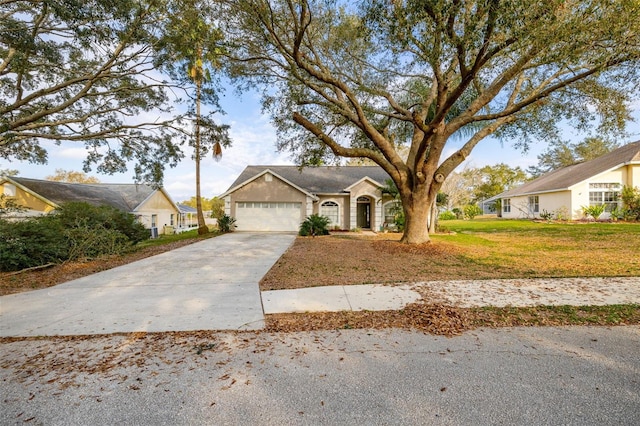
(564, 192)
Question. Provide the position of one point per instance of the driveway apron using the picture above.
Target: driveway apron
(209, 285)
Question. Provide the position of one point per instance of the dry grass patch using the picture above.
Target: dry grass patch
(482, 250)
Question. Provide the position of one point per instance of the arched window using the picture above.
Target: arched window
(330, 210)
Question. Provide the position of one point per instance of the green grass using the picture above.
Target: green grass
(166, 239)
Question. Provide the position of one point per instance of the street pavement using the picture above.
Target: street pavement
(209, 285)
(509, 376)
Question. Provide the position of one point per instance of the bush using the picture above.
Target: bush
(458, 213)
(93, 242)
(631, 202)
(84, 215)
(471, 211)
(447, 216)
(594, 211)
(226, 223)
(31, 242)
(314, 225)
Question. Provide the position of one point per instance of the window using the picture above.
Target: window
(534, 204)
(506, 205)
(9, 190)
(390, 210)
(604, 193)
(171, 220)
(154, 220)
(330, 210)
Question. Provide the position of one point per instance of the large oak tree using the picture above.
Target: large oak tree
(362, 81)
(86, 72)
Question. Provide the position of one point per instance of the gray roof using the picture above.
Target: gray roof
(317, 180)
(566, 177)
(186, 209)
(125, 197)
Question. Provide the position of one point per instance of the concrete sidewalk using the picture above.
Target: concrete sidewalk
(466, 294)
(209, 285)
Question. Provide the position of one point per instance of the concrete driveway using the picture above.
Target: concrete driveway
(210, 285)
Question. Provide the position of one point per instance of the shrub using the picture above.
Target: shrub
(447, 216)
(458, 213)
(631, 201)
(31, 242)
(546, 215)
(594, 211)
(95, 241)
(84, 215)
(226, 223)
(314, 225)
(471, 211)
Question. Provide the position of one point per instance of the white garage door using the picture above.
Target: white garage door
(254, 216)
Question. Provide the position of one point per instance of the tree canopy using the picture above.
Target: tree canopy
(359, 81)
(85, 71)
(72, 176)
(563, 153)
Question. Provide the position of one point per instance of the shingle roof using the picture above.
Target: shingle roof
(125, 197)
(564, 178)
(317, 180)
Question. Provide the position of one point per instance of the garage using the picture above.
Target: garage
(259, 216)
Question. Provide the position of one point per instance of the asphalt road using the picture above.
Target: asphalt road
(532, 376)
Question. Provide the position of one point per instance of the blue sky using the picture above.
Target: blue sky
(254, 143)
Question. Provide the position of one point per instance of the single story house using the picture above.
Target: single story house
(154, 208)
(279, 198)
(565, 191)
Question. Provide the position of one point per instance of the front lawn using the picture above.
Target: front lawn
(477, 249)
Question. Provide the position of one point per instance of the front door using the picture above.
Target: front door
(364, 213)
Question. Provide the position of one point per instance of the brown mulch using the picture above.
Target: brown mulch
(452, 321)
(11, 282)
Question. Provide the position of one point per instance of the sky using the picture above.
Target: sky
(254, 143)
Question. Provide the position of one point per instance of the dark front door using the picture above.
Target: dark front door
(364, 214)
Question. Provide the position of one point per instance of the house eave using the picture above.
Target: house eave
(29, 191)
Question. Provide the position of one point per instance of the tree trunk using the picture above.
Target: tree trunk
(202, 226)
(416, 214)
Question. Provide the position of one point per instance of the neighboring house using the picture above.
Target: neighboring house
(565, 191)
(279, 198)
(153, 207)
(188, 217)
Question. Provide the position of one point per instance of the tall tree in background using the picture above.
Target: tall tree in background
(493, 180)
(71, 176)
(82, 71)
(561, 154)
(192, 52)
(360, 81)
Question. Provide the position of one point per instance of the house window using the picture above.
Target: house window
(506, 205)
(534, 204)
(330, 209)
(604, 193)
(154, 220)
(390, 210)
(9, 190)
(171, 220)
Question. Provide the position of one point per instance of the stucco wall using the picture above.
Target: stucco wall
(633, 175)
(368, 189)
(159, 205)
(26, 199)
(343, 208)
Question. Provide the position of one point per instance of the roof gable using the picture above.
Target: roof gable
(314, 180)
(125, 197)
(563, 179)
